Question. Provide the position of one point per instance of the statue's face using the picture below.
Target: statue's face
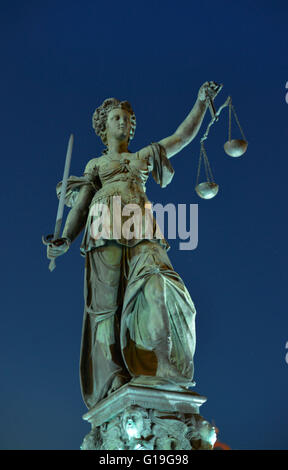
(133, 423)
(118, 124)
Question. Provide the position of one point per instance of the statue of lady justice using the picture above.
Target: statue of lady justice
(139, 318)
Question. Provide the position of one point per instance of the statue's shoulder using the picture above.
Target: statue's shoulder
(93, 165)
(145, 152)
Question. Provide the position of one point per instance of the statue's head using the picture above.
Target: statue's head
(135, 422)
(107, 109)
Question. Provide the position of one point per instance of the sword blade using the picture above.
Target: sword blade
(61, 204)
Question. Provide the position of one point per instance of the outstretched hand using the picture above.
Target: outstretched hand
(209, 89)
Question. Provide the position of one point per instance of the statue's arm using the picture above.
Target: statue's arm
(75, 222)
(189, 128)
(77, 216)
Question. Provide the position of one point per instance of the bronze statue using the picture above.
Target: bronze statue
(139, 319)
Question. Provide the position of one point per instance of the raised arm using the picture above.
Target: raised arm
(189, 128)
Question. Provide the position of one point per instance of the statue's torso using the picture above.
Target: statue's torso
(124, 175)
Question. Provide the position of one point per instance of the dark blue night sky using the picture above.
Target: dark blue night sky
(59, 61)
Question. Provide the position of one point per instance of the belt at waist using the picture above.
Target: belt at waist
(129, 190)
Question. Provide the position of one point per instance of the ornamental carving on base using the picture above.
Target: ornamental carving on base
(137, 428)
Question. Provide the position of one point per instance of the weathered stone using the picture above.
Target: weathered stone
(140, 418)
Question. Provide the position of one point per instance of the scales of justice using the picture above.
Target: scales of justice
(233, 147)
(138, 338)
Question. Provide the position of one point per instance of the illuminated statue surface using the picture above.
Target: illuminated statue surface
(139, 318)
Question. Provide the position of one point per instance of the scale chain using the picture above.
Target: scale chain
(205, 136)
(208, 170)
(237, 120)
(199, 165)
(229, 125)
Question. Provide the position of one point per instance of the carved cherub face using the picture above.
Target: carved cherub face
(207, 433)
(118, 124)
(133, 423)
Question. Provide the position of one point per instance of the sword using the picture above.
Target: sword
(50, 238)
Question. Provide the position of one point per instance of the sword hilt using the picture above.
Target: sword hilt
(48, 240)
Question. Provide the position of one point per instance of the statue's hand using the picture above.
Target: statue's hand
(58, 247)
(210, 89)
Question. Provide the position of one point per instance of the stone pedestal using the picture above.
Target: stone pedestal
(139, 418)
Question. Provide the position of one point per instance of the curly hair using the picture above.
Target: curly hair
(100, 114)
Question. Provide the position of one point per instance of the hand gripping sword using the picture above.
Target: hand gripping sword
(50, 238)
